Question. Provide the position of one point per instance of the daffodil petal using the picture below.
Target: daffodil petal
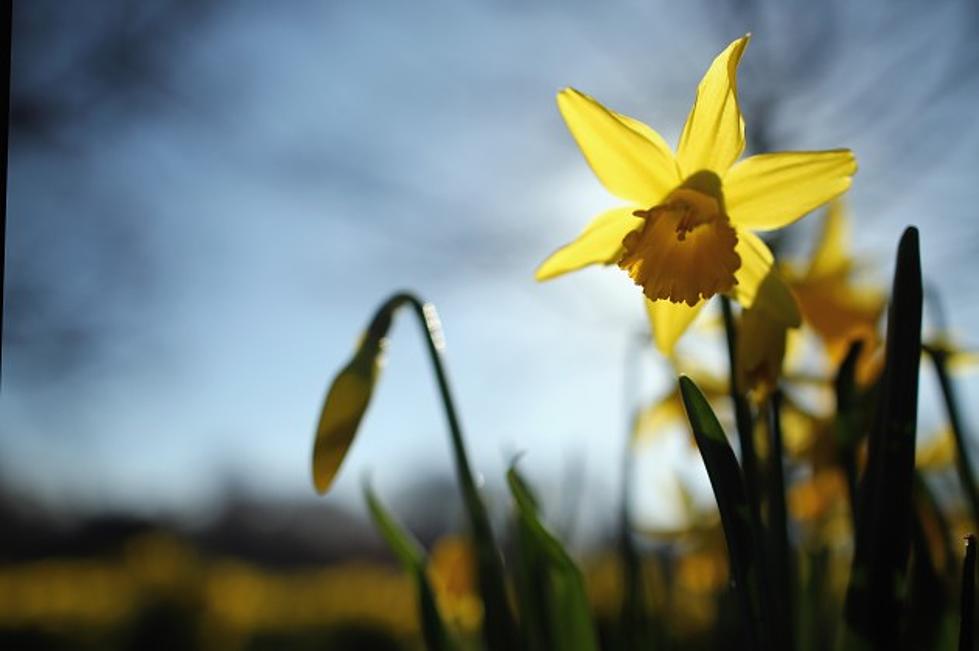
(713, 136)
(831, 255)
(599, 243)
(631, 160)
(773, 190)
(669, 321)
(758, 282)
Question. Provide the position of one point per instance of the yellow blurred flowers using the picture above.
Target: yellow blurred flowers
(684, 235)
(837, 309)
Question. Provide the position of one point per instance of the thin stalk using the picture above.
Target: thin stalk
(749, 467)
(633, 614)
(742, 412)
(967, 602)
(962, 463)
(846, 424)
(778, 534)
(499, 627)
(6, 27)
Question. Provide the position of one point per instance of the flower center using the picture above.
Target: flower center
(684, 252)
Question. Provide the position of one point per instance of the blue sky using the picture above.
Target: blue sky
(196, 244)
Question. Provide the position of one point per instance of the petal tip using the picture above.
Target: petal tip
(568, 93)
(542, 273)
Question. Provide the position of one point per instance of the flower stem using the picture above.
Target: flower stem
(962, 464)
(498, 629)
(967, 601)
(633, 619)
(778, 535)
(742, 414)
(749, 469)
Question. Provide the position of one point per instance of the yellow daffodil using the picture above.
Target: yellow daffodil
(838, 310)
(811, 500)
(936, 452)
(686, 233)
(452, 572)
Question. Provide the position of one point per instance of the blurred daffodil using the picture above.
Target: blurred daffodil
(812, 500)
(957, 358)
(452, 572)
(837, 309)
(686, 232)
(936, 452)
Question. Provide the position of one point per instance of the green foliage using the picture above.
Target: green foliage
(732, 502)
(551, 590)
(900, 589)
(878, 580)
(413, 558)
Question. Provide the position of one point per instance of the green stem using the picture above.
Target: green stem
(781, 558)
(962, 464)
(967, 601)
(749, 468)
(633, 613)
(847, 429)
(499, 628)
(742, 413)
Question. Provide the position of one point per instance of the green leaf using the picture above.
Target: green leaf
(565, 603)
(927, 598)
(411, 555)
(728, 485)
(846, 423)
(875, 595)
(531, 578)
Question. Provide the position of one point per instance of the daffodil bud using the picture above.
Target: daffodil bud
(347, 400)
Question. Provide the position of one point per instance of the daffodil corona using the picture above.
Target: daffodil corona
(686, 233)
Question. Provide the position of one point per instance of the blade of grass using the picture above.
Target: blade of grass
(874, 601)
(568, 609)
(531, 583)
(413, 558)
(729, 491)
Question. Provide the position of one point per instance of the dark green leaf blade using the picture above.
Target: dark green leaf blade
(728, 485)
(874, 599)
